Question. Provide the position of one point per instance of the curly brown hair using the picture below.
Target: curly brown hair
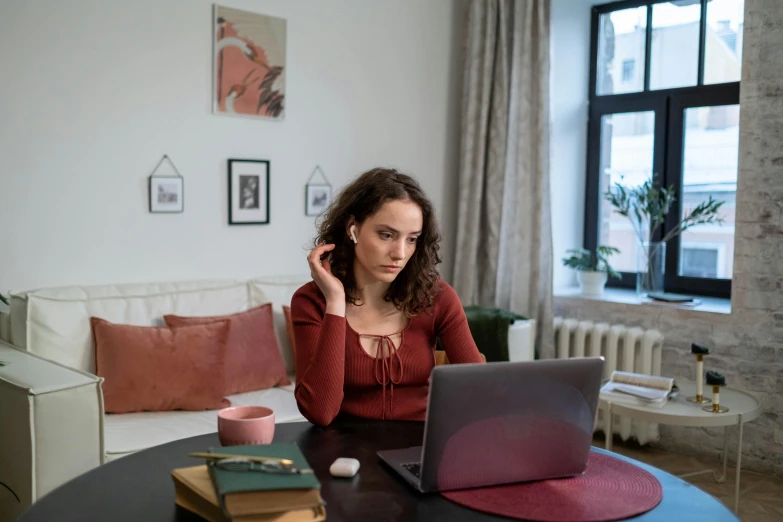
(413, 290)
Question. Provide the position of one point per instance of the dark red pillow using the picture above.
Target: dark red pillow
(253, 359)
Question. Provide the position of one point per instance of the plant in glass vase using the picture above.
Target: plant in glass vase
(646, 207)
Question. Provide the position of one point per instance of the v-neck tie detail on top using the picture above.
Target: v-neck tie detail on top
(387, 367)
(335, 375)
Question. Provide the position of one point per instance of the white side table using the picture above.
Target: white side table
(742, 406)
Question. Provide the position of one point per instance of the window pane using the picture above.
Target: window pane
(674, 56)
(699, 262)
(626, 158)
(710, 158)
(723, 42)
(621, 39)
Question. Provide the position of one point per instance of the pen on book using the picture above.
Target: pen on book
(201, 455)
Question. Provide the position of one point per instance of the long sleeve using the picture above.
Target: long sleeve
(451, 325)
(320, 357)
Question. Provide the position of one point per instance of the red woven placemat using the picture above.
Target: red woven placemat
(610, 489)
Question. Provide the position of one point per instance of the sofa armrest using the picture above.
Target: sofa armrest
(52, 426)
(522, 340)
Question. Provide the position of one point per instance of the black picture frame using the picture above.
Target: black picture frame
(313, 191)
(155, 204)
(248, 191)
(169, 189)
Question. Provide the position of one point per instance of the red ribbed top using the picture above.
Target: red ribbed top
(335, 375)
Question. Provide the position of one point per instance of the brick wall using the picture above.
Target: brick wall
(747, 346)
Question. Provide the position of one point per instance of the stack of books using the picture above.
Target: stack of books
(220, 495)
(638, 389)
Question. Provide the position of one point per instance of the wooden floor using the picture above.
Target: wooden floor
(761, 496)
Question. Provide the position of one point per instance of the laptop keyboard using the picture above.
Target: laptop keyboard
(414, 468)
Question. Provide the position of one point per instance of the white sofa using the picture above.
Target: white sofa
(51, 405)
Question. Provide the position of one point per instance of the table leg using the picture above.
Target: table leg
(722, 478)
(608, 429)
(739, 465)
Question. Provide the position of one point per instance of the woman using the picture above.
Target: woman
(366, 327)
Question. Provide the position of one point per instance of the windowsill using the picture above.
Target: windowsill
(713, 305)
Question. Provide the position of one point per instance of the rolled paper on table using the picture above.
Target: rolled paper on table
(699, 349)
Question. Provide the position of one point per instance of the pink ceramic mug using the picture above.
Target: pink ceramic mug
(241, 425)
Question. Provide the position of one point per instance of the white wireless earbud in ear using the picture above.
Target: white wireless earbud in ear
(353, 233)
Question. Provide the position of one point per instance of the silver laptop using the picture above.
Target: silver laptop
(503, 422)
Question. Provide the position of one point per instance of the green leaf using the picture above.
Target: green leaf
(583, 259)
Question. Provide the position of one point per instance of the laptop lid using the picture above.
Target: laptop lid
(505, 422)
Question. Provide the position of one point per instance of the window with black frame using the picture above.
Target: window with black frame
(664, 110)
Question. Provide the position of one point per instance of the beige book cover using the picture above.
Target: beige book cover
(195, 492)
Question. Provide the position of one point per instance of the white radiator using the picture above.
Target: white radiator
(629, 349)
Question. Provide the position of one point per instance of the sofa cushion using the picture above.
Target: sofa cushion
(57, 320)
(278, 290)
(129, 432)
(253, 359)
(149, 368)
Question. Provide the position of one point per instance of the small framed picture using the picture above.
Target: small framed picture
(166, 194)
(248, 192)
(317, 199)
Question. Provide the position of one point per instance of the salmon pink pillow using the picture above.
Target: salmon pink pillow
(253, 359)
(147, 368)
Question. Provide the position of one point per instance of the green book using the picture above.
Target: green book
(255, 492)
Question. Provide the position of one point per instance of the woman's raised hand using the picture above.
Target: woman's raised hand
(321, 273)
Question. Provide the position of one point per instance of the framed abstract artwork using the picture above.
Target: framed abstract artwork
(249, 52)
(248, 192)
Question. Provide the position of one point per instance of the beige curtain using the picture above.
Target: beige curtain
(503, 254)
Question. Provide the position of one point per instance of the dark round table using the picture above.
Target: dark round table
(139, 488)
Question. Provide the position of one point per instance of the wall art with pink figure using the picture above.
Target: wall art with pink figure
(249, 64)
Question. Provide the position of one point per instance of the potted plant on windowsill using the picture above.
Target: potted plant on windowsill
(592, 268)
(647, 206)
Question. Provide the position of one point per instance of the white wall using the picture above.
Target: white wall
(95, 92)
(570, 24)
